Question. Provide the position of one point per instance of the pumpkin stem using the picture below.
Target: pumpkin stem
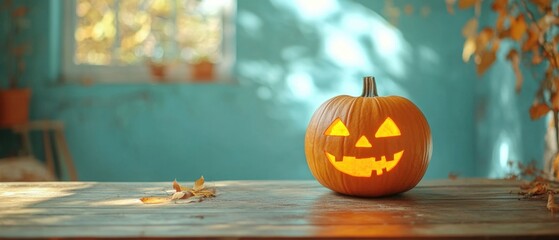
(369, 87)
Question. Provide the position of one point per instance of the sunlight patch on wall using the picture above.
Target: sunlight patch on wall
(389, 44)
(342, 42)
(504, 150)
(345, 50)
(301, 85)
(311, 10)
(250, 22)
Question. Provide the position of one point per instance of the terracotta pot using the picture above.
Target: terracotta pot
(158, 71)
(14, 106)
(203, 71)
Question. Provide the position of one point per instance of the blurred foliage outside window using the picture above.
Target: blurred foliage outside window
(112, 32)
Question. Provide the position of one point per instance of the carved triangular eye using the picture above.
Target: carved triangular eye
(337, 128)
(388, 129)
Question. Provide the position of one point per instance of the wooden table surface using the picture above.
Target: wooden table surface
(468, 208)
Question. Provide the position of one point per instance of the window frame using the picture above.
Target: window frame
(177, 72)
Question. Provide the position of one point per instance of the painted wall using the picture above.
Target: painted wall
(291, 57)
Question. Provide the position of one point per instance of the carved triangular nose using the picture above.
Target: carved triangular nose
(363, 142)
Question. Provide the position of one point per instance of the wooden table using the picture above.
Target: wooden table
(272, 209)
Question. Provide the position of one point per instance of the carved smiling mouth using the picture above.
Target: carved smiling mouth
(364, 167)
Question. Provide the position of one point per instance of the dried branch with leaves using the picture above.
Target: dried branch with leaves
(532, 28)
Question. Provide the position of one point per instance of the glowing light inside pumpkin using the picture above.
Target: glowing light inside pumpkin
(337, 128)
(364, 167)
(363, 142)
(388, 129)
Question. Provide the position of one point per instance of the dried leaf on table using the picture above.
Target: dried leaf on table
(551, 205)
(184, 194)
(538, 110)
(155, 200)
(467, 3)
(176, 186)
(536, 189)
(452, 175)
(514, 58)
(199, 184)
(484, 61)
(178, 195)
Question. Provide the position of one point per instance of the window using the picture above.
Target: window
(148, 40)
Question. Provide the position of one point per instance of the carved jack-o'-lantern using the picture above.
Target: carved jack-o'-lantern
(368, 145)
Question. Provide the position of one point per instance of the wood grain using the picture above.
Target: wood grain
(469, 208)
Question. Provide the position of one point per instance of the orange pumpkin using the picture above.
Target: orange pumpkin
(368, 145)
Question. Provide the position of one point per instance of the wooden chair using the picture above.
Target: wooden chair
(50, 130)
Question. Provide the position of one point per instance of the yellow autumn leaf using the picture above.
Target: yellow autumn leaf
(176, 186)
(155, 200)
(199, 184)
(469, 49)
(518, 27)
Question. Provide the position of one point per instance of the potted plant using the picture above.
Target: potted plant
(14, 99)
(202, 69)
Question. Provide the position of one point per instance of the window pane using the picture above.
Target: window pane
(95, 32)
(112, 32)
(199, 30)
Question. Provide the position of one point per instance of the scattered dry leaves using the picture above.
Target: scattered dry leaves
(453, 175)
(551, 205)
(539, 186)
(184, 194)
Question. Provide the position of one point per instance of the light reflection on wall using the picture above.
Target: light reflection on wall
(346, 36)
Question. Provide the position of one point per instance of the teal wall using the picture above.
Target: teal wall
(290, 58)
